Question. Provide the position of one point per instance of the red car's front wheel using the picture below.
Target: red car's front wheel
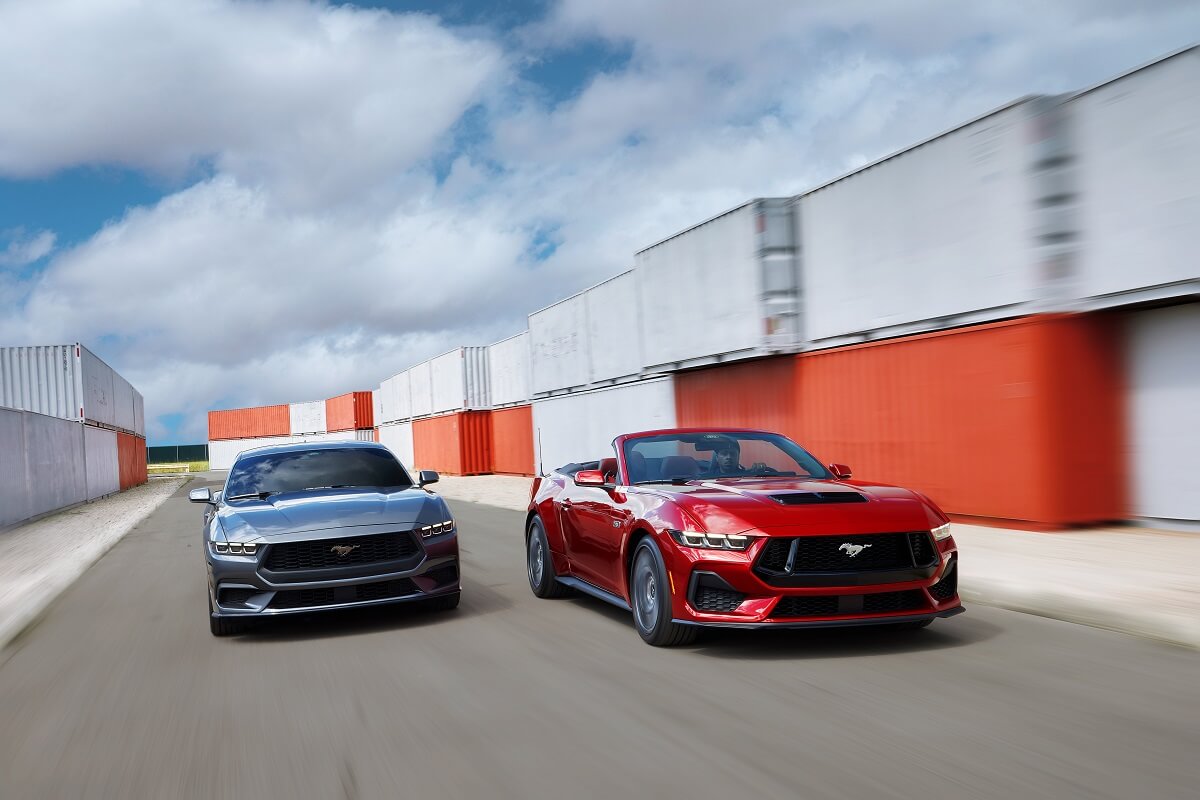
(650, 598)
(539, 566)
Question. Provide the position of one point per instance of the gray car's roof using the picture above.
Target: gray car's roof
(293, 447)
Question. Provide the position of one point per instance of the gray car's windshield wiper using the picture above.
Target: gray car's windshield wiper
(335, 486)
(255, 495)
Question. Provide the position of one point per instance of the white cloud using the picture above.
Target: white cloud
(24, 249)
(321, 255)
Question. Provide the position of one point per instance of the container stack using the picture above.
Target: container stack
(71, 430)
(1004, 316)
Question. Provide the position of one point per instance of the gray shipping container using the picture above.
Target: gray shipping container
(1137, 140)
(725, 289)
(459, 380)
(43, 466)
(69, 382)
(508, 370)
(972, 225)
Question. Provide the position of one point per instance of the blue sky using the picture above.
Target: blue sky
(237, 203)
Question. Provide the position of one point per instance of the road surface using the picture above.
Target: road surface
(120, 691)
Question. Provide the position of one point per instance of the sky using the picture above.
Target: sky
(250, 202)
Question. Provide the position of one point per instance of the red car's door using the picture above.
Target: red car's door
(599, 522)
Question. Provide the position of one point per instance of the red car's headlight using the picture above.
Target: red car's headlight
(941, 532)
(711, 541)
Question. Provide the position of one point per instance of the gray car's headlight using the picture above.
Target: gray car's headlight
(436, 528)
(234, 548)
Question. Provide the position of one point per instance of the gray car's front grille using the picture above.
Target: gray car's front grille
(344, 552)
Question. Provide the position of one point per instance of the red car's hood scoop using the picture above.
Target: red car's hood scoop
(801, 506)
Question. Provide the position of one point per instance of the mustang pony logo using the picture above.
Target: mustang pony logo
(853, 549)
(346, 549)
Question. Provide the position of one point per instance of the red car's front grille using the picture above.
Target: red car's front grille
(846, 553)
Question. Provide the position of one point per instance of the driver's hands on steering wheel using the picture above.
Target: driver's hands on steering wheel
(759, 466)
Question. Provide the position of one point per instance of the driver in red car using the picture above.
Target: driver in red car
(726, 462)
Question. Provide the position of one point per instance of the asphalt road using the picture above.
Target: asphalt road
(120, 691)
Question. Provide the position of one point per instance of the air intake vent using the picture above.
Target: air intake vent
(817, 498)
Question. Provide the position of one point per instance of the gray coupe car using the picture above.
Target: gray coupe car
(309, 527)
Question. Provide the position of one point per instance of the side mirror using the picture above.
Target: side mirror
(589, 477)
(426, 477)
(201, 496)
(841, 472)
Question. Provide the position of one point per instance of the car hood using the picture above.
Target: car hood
(737, 505)
(296, 512)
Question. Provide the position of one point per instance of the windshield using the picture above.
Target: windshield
(296, 470)
(719, 454)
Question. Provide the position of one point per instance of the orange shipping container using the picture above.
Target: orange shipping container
(131, 460)
(512, 440)
(248, 423)
(456, 444)
(745, 394)
(1020, 420)
(350, 411)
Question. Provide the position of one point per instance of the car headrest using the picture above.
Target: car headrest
(635, 462)
(679, 467)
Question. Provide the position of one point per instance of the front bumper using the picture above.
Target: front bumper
(241, 586)
(724, 589)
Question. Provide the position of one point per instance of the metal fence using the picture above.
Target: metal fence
(176, 453)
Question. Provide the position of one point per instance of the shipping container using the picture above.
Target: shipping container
(581, 426)
(351, 411)
(1138, 159)
(745, 394)
(420, 385)
(394, 399)
(102, 467)
(456, 444)
(398, 437)
(131, 458)
(1020, 420)
(512, 440)
(725, 289)
(223, 452)
(459, 380)
(1164, 403)
(43, 465)
(307, 417)
(508, 371)
(558, 346)
(965, 227)
(69, 382)
(245, 423)
(614, 330)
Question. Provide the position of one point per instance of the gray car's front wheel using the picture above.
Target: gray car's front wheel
(220, 626)
(650, 597)
(539, 565)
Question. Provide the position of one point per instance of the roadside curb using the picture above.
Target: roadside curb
(21, 615)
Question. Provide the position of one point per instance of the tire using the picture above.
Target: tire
(650, 599)
(222, 626)
(446, 602)
(539, 566)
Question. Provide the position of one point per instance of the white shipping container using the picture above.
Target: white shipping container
(726, 288)
(944, 229)
(508, 370)
(394, 398)
(223, 452)
(398, 437)
(421, 389)
(558, 346)
(102, 469)
(1138, 153)
(69, 382)
(614, 329)
(459, 380)
(581, 426)
(307, 417)
(1164, 395)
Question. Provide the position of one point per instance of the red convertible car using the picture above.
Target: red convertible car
(737, 528)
